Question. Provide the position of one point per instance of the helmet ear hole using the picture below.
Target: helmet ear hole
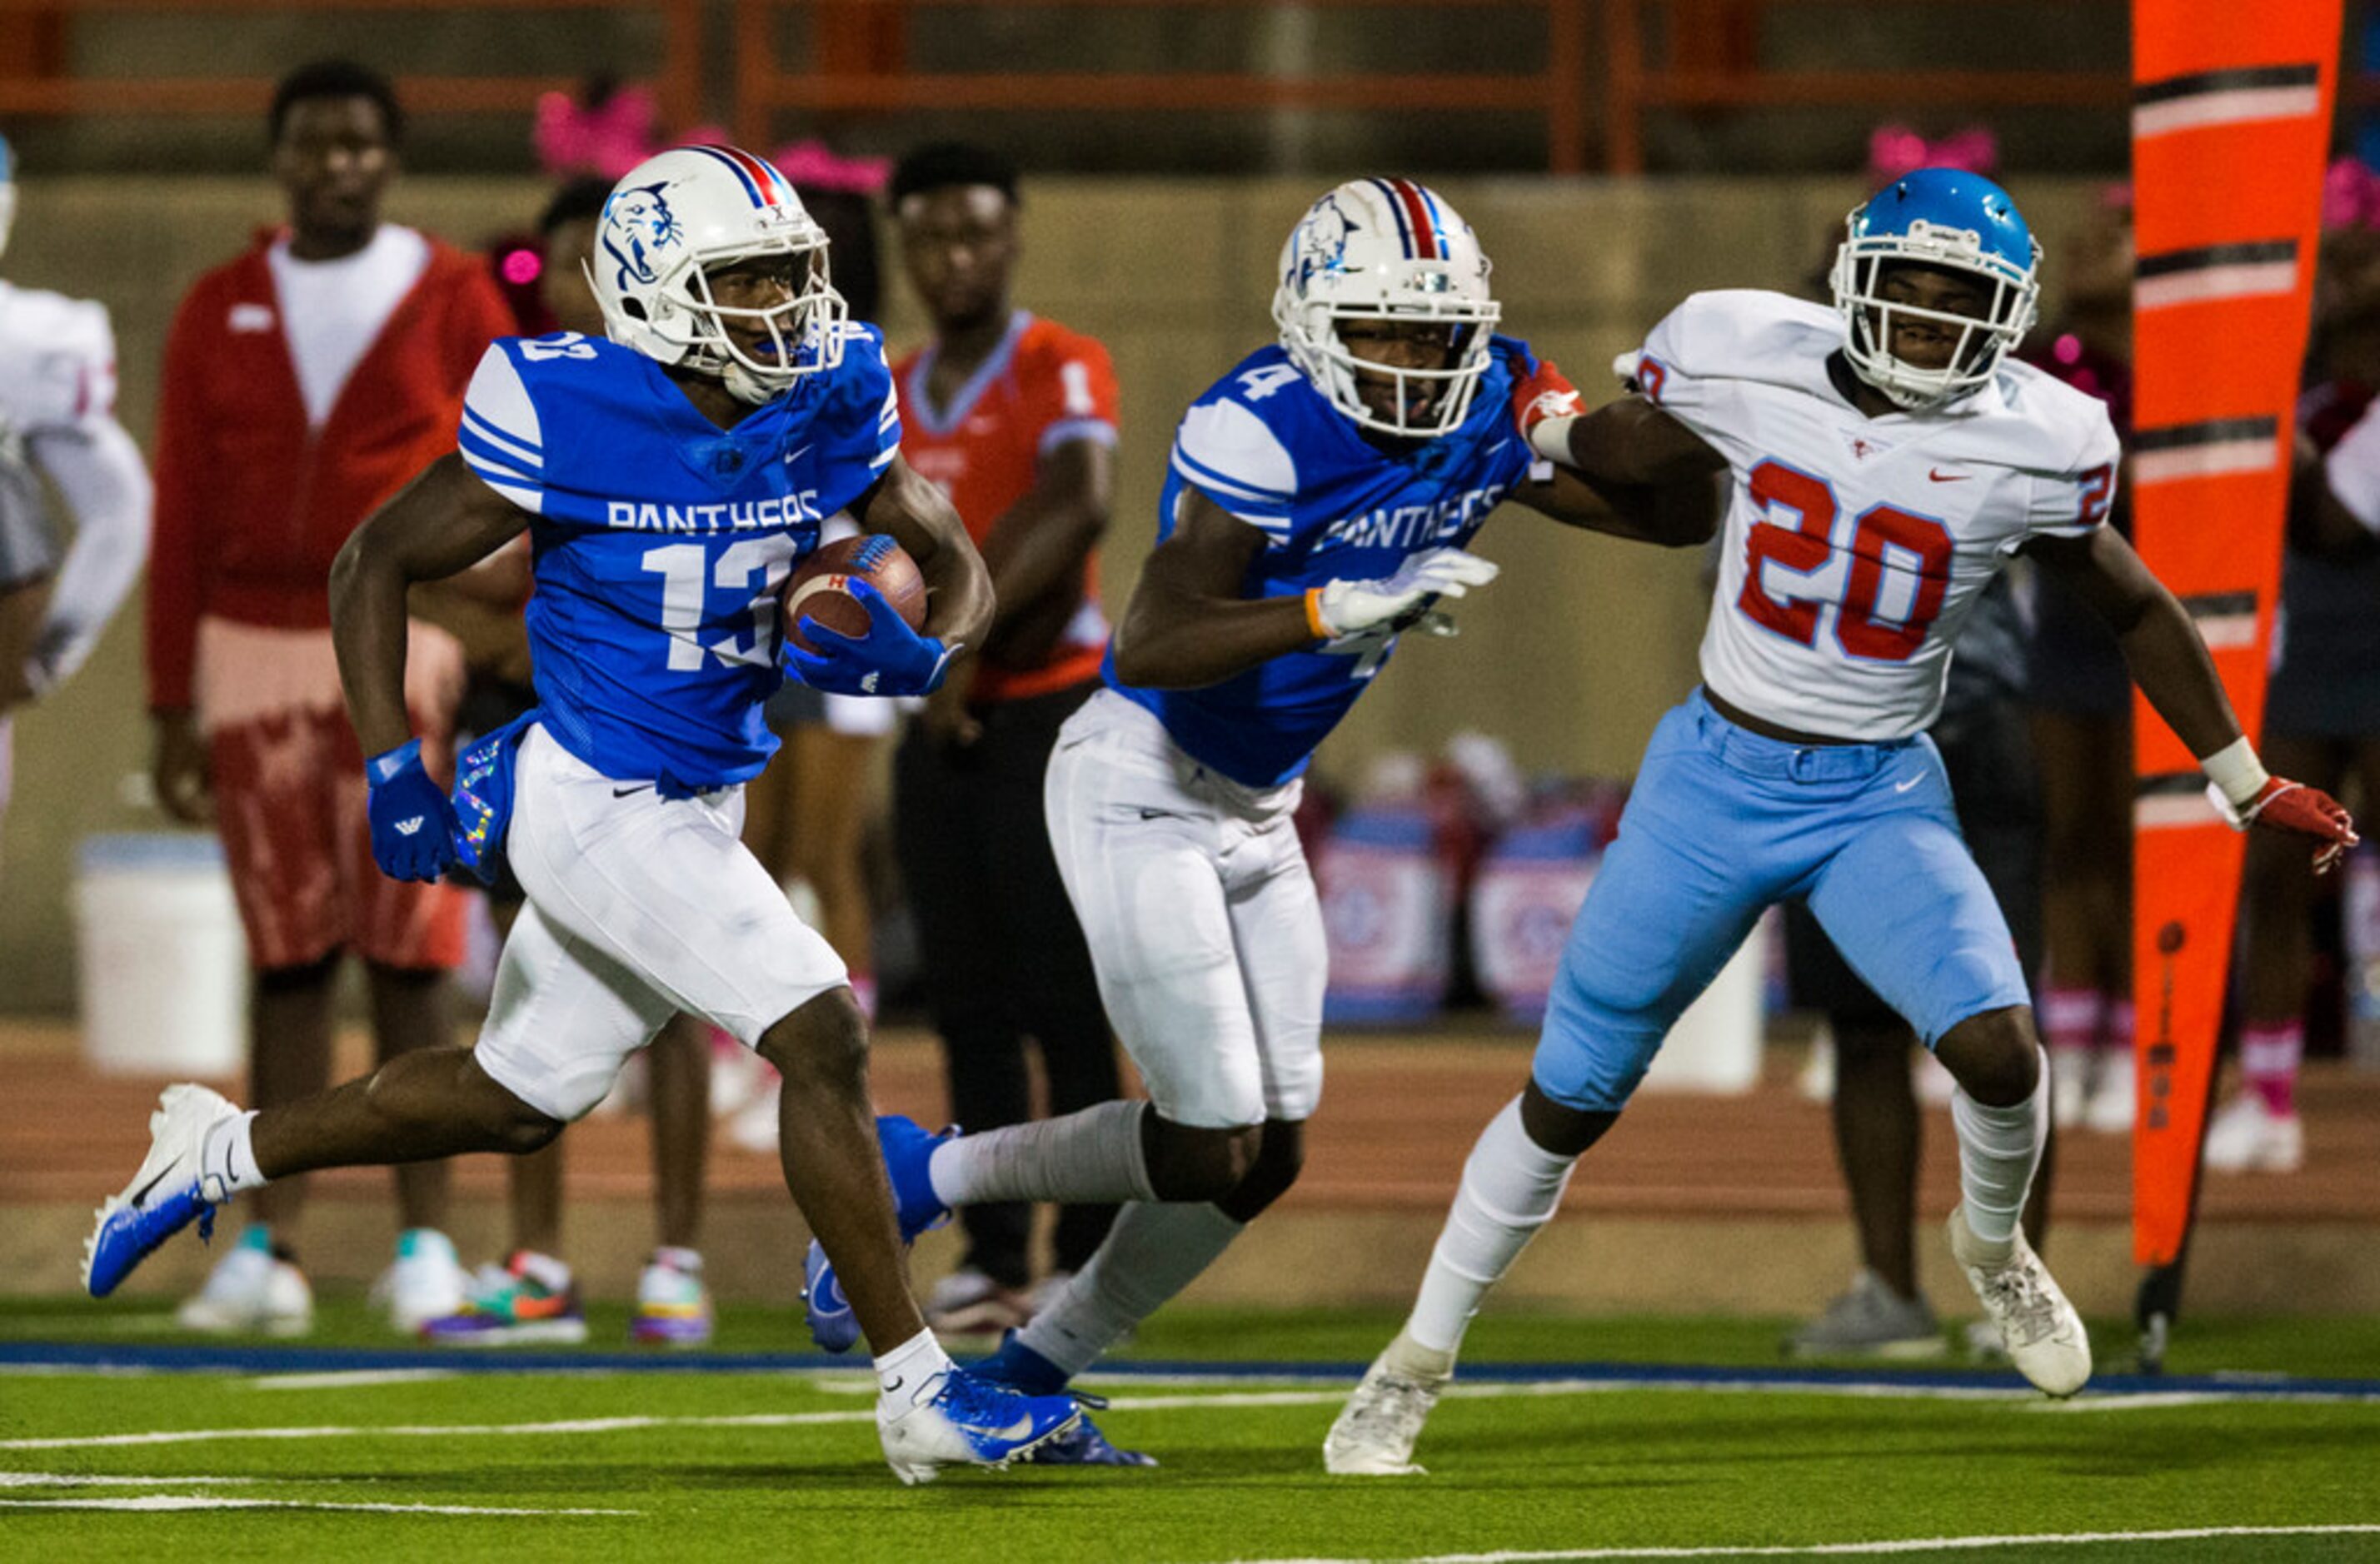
(634, 309)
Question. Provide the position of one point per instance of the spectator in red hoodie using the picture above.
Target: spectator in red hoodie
(304, 383)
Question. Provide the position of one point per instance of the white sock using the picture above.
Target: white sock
(903, 1372)
(1998, 1148)
(1090, 1158)
(1153, 1253)
(1511, 1187)
(228, 1155)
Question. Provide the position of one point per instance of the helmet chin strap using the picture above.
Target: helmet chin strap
(750, 388)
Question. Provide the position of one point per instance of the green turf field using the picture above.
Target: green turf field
(784, 1464)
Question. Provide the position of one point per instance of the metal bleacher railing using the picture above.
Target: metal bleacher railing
(1654, 56)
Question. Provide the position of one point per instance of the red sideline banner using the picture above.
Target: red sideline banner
(2230, 122)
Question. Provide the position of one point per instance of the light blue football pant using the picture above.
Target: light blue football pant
(1723, 823)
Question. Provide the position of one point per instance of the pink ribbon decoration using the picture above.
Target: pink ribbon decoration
(1895, 150)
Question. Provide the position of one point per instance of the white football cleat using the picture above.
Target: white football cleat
(169, 1193)
(425, 1283)
(251, 1290)
(2040, 1329)
(957, 1419)
(1374, 1436)
(2248, 1137)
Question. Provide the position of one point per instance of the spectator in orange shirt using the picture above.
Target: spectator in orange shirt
(1013, 416)
(305, 381)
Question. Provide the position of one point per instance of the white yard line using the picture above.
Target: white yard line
(208, 1501)
(1332, 1396)
(1854, 1550)
(86, 1480)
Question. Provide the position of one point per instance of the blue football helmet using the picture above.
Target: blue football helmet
(1944, 217)
(7, 190)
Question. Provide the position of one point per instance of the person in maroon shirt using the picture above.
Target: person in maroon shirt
(305, 381)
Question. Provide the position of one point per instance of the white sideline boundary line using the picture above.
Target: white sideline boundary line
(350, 1379)
(2025, 1399)
(208, 1501)
(1859, 1549)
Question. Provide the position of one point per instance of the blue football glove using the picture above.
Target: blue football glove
(412, 818)
(891, 659)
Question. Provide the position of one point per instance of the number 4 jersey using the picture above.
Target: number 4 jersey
(1855, 546)
(660, 539)
(1266, 446)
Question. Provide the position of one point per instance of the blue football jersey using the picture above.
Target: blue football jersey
(660, 539)
(1267, 447)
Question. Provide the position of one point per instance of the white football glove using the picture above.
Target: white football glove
(1347, 608)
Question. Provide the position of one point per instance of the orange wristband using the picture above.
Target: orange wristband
(1314, 614)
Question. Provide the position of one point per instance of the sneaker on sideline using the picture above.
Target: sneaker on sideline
(2247, 1136)
(531, 1300)
(1871, 1320)
(252, 1291)
(423, 1283)
(673, 1302)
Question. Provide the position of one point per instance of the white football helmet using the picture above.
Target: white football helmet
(1386, 249)
(7, 190)
(684, 213)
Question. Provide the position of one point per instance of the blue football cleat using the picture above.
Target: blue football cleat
(1084, 1445)
(167, 1194)
(832, 1325)
(907, 1149)
(957, 1419)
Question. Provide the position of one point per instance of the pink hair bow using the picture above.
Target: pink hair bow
(606, 134)
(1895, 150)
(2350, 196)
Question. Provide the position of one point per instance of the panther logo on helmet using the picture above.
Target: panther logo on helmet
(1320, 242)
(637, 220)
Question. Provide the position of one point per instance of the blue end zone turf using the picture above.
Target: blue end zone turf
(158, 1359)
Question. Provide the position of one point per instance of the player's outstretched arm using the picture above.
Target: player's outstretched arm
(1627, 469)
(444, 521)
(1651, 479)
(919, 518)
(2169, 661)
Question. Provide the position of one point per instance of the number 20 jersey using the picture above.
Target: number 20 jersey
(1855, 547)
(1265, 445)
(661, 538)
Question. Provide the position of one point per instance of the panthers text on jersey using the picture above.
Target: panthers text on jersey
(57, 370)
(1855, 546)
(660, 539)
(1265, 445)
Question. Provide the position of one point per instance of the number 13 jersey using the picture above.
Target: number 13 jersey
(1855, 546)
(661, 539)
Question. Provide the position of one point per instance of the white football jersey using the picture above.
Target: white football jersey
(57, 361)
(1855, 546)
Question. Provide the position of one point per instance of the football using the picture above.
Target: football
(819, 588)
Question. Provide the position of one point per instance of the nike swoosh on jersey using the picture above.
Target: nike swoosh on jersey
(1938, 475)
(1905, 786)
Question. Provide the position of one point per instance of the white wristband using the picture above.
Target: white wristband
(1551, 439)
(2236, 772)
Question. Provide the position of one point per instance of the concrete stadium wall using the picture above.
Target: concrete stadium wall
(1571, 657)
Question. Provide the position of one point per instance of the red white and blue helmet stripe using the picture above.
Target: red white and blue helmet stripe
(760, 180)
(1419, 224)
